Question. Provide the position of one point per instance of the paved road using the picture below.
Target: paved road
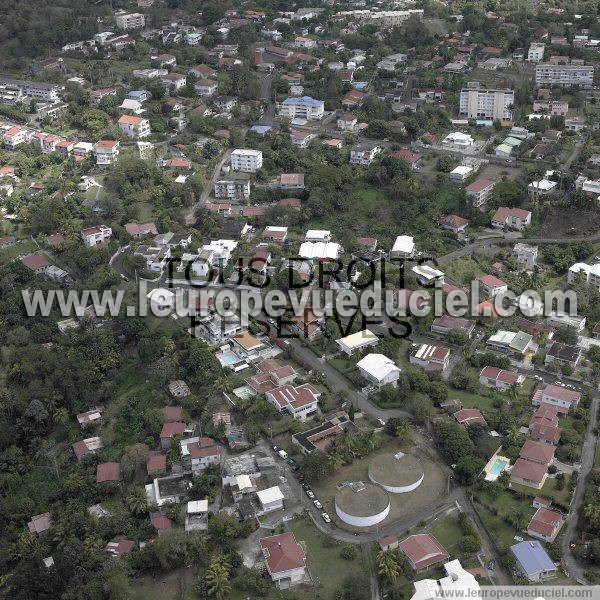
(588, 453)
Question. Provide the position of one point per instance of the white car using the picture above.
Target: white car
(326, 517)
(310, 494)
(317, 504)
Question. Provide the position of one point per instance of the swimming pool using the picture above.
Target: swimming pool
(496, 470)
(230, 358)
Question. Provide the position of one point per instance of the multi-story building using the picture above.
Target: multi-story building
(135, 127)
(364, 154)
(479, 191)
(589, 274)
(246, 160)
(92, 236)
(304, 107)
(127, 20)
(564, 74)
(526, 255)
(536, 52)
(480, 103)
(13, 137)
(106, 152)
(233, 187)
(39, 91)
(513, 218)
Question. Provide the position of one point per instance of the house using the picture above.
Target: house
(205, 87)
(274, 234)
(13, 137)
(457, 583)
(454, 223)
(156, 464)
(388, 542)
(479, 191)
(270, 499)
(540, 502)
(246, 160)
(543, 187)
(179, 388)
(526, 255)
(357, 341)
(353, 99)
(347, 122)
(196, 515)
(533, 561)
(202, 72)
(92, 416)
(109, 472)
(174, 81)
(557, 397)
(119, 546)
(458, 140)
(528, 473)
(499, 378)
(303, 107)
(88, 446)
(563, 319)
(291, 181)
(92, 236)
(404, 247)
(36, 263)
(307, 323)
(364, 154)
(491, 285)
(545, 524)
(410, 302)
(40, 523)
(172, 414)
(470, 416)
(302, 138)
(203, 454)
(460, 173)
(300, 402)
(285, 558)
(234, 187)
(378, 370)
(430, 357)
(445, 324)
(134, 127)
(170, 430)
(563, 354)
(413, 159)
(161, 523)
(105, 152)
(422, 551)
(510, 342)
(537, 452)
(513, 218)
(585, 273)
(319, 437)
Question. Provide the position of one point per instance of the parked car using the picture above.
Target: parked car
(275, 448)
(310, 493)
(282, 453)
(317, 504)
(326, 517)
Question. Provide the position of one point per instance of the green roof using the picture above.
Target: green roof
(511, 141)
(504, 148)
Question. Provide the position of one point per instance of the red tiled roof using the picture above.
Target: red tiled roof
(110, 471)
(283, 552)
(423, 550)
(172, 413)
(525, 469)
(470, 416)
(156, 463)
(171, 429)
(161, 523)
(545, 521)
(491, 281)
(508, 377)
(479, 185)
(35, 262)
(196, 450)
(537, 451)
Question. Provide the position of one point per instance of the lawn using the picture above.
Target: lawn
(327, 568)
(548, 490)
(448, 533)
(462, 270)
(501, 532)
(470, 400)
(21, 247)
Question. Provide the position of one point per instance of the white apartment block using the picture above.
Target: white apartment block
(106, 152)
(127, 20)
(589, 273)
(246, 160)
(564, 75)
(34, 89)
(92, 236)
(476, 103)
(232, 188)
(13, 137)
(536, 52)
(526, 255)
(302, 108)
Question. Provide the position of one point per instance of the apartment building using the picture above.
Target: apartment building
(233, 187)
(590, 274)
(13, 137)
(479, 191)
(134, 127)
(564, 74)
(481, 103)
(246, 160)
(106, 152)
(127, 20)
(304, 107)
(92, 236)
(33, 89)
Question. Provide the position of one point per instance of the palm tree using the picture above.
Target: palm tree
(137, 500)
(387, 566)
(217, 579)
(403, 430)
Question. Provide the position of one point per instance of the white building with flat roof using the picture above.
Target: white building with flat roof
(536, 52)
(357, 341)
(404, 247)
(246, 160)
(270, 499)
(458, 583)
(480, 103)
(589, 274)
(378, 370)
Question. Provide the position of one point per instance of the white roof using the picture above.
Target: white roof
(161, 296)
(197, 506)
(427, 272)
(404, 243)
(461, 170)
(543, 184)
(243, 481)
(588, 269)
(502, 337)
(459, 137)
(272, 494)
(317, 234)
(319, 250)
(378, 366)
(130, 104)
(358, 339)
(247, 152)
(457, 583)
(276, 229)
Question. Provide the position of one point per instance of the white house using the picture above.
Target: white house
(589, 274)
(357, 341)
(284, 557)
(134, 126)
(458, 583)
(92, 236)
(379, 370)
(246, 160)
(106, 152)
(458, 140)
(404, 247)
(301, 401)
(526, 255)
(492, 286)
(270, 499)
(364, 154)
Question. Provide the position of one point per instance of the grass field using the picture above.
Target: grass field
(448, 533)
(548, 490)
(470, 400)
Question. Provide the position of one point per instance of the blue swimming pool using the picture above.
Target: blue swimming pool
(497, 468)
(230, 359)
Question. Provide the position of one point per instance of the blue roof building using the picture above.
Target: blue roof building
(139, 95)
(533, 561)
(304, 107)
(261, 129)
